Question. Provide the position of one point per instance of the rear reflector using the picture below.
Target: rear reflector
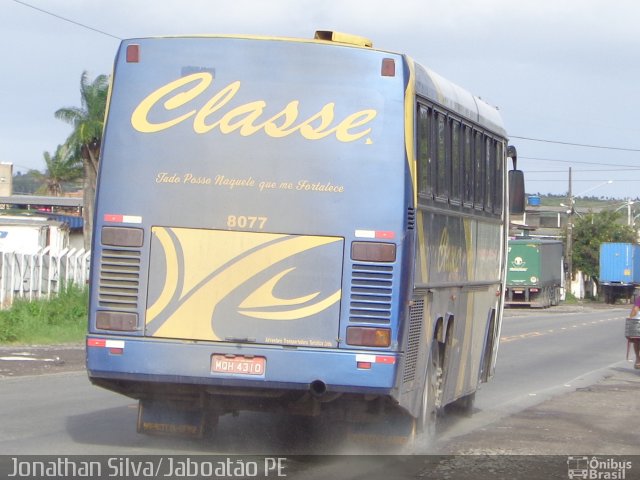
(377, 234)
(385, 359)
(133, 53)
(373, 252)
(368, 358)
(114, 345)
(117, 218)
(96, 342)
(369, 336)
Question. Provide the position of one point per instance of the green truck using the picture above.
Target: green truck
(534, 272)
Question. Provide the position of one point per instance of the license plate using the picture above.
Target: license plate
(238, 364)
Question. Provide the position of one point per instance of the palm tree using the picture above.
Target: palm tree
(62, 167)
(86, 138)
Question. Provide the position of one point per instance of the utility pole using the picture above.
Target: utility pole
(570, 233)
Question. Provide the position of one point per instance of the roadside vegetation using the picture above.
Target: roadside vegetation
(75, 161)
(599, 220)
(593, 229)
(61, 319)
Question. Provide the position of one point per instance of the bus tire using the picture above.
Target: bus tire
(428, 418)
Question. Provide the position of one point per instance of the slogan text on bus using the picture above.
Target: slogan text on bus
(245, 118)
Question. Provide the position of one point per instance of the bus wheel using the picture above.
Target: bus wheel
(427, 421)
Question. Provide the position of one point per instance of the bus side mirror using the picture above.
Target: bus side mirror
(516, 192)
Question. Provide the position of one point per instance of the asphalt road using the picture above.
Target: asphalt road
(563, 362)
(553, 365)
(544, 353)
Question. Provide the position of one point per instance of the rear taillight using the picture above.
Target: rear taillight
(373, 252)
(369, 336)
(388, 67)
(133, 53)
(122, 236)
(120, 321)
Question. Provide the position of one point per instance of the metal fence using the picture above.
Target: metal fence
(42, 274)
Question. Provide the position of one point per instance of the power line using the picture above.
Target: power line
(576, 180)
(68, 20)
(511, 136)
(576, 144)
(630, 167)
(627, 167)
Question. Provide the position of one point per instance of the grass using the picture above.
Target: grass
(570, 299)
(61, 319)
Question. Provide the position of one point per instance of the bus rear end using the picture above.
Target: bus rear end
(253, 228)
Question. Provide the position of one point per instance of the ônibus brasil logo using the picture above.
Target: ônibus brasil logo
(594, 468)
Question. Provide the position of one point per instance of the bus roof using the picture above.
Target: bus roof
(441, 91)
(321, 36)
(429, 84)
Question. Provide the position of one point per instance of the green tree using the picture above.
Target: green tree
(590, 231)
(62, 167)
(86, 138)
(27, 183)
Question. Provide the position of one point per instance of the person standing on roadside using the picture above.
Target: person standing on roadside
(635, 311)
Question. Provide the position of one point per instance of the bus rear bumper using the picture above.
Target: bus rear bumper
(130, 359)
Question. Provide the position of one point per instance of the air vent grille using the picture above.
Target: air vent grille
(411, 218)
(371, 288)
(416, 315)
(119, 279)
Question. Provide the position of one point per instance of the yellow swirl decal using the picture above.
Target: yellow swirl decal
(264, 297)
(196, 284)
(247, 119)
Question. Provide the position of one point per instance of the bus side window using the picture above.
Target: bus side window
(499, 198)
(478, 171)
(442, 165)
(490, 172)
(467, 177)
(425, 182)
(456, 161)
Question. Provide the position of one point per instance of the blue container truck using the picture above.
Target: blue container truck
(619, 270)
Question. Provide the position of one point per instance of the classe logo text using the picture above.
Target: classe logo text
(246, 119)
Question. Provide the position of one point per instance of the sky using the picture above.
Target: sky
(560, 72)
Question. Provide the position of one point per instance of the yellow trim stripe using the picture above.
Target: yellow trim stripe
(409, 129)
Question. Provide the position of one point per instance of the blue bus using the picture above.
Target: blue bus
(312, 226)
